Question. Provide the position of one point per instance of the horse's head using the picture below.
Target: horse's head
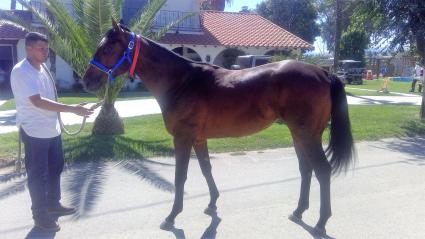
(109, 60)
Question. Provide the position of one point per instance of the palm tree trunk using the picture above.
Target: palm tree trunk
(108, 121)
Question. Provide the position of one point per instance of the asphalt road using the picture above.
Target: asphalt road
(383, 197)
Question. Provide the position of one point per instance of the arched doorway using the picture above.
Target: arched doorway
(227, 58)
(188, 53)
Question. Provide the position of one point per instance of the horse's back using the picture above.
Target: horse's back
(242, 102)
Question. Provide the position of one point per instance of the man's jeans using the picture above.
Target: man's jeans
(44, 163)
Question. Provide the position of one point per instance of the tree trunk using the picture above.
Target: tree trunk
(108, 121)
(420, 46)
(338, 7)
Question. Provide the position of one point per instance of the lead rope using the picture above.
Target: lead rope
(18, 163)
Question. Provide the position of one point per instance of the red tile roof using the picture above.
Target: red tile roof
(238, 29)
(8, 31)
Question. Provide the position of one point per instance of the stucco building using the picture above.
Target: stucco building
(209, 36)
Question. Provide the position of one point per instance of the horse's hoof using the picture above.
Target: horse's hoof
(295, 218)
(320, 231)
(166, 225)
(210, 211)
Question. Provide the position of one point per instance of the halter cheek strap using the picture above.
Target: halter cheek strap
(135, 57)
(126, 56)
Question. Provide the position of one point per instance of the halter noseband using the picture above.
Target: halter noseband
(126, 56)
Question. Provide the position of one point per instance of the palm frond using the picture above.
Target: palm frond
(143, 21)
(77, 5)
(97, 19)
(116, 9)
(67, 27)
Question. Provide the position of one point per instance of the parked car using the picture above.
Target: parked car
(249, 61)
(351, 72)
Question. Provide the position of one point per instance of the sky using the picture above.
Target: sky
(236, 6)
(5, 4)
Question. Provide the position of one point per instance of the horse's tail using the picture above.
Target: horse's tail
(341, 146)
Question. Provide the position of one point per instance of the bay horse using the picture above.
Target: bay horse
(200, 101)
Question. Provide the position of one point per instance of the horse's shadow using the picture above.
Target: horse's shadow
(209, 233)
(38, 233)
(310, 229)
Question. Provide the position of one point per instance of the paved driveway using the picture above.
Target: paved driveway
(384, 197)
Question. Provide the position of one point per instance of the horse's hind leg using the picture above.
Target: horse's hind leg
(306, 172)
(322, 170)
(309, 148)
(201, 150)
(182, 147)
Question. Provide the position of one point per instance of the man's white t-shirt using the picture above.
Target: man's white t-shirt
(27, 81)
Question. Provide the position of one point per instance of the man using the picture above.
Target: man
(37, 118)
(418, 75)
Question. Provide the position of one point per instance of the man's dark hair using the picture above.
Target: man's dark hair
(33, 37)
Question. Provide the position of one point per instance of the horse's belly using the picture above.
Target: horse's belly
(236, 128)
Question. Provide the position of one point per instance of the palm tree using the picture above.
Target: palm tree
(75, 38)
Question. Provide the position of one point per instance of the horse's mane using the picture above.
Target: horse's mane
(164, 49)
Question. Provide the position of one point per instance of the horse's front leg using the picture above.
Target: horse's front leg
(182, 146)
(201, 150)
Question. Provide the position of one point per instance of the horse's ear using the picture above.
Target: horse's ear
(115, 25)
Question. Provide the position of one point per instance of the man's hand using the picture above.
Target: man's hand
(48, 104)
(82, 111)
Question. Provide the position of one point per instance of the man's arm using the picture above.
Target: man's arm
(47, 104)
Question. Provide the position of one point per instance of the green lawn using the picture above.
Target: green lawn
(146, 136)
(375, 85)
(76, 98)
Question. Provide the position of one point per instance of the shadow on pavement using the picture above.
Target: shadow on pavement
(310, 230)
(375, 101)
(37, 233)
(211, 231)
(103, 147)
(178, 233)
(413, 146)
(86, 181)
(17, 186)
(8, 120)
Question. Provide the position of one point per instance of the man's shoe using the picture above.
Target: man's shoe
(50, 225)
(61, 211)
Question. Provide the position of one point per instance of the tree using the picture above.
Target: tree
(296, 16)
(401, 23)
(75, 38)
(353, 45)
(217, 5)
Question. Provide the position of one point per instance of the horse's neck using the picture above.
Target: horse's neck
(160, 69)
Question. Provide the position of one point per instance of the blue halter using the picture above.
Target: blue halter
(126, 56)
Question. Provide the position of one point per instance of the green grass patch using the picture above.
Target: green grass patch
(76, 98)
(146, 136)
(375, 85)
